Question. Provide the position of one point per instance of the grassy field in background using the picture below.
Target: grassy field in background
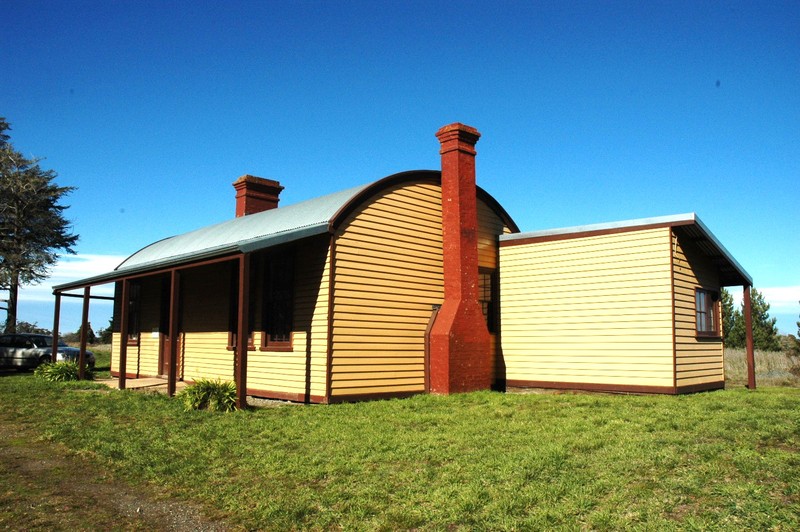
(773, 368)
(727, 459)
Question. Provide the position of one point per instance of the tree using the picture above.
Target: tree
(765, 332)
(32, 225)
(729, 316)
(104, 336)
(25, 327)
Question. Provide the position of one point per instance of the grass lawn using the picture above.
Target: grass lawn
(727, 459)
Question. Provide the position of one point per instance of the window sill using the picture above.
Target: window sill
(277, 348)
(708, 336)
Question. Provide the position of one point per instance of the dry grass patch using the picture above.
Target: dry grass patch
(773, 368)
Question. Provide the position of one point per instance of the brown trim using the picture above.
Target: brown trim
(284, 256)
(427, 362)
(251, 345)
(707, 335)
(355, 398)
(56, 320)
(673, 242)
(273, 348)
(295, 397)
(702, 387)
(492, 203)
(585, 234)
(242, 325)
(161, 271)
(123, 333)
(174, 317)
(714, 309)
(84, 334)
(593, 387)
(131, 375)
(66, 294)
(431, 176)
(353, 203)
(748, 328)
(329, 354)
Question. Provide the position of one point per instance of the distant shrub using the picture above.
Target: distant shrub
(215, 395)
(60, 372)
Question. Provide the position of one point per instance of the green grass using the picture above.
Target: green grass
(721, 460)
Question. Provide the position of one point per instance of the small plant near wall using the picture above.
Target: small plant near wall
(205, 394)
(60, 372)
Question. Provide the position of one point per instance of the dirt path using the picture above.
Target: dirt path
(42, 487)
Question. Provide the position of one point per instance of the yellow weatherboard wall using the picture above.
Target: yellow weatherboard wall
(594, 309)
(205, 317)
(301, 370)
(388, 274)
(698, 360)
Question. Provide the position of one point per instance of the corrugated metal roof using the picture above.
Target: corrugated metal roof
(246, 233)
(689, 225)
(243, 234)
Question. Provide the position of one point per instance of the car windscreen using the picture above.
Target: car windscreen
(47, 341)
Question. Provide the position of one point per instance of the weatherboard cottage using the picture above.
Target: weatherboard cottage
(419, 282)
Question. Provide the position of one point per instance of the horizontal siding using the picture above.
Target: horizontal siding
(698, 361)
(115, 350)
(303, 369)
(490, 226)
(206, 356)
(388, 275)
(143, 359)
(149, 322)
(589, 310)
(205, 306)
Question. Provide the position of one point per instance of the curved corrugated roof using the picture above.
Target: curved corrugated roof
(246, 233)
(263, 230)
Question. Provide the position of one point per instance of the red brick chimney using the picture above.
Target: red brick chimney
(255, 194)
(459, 339)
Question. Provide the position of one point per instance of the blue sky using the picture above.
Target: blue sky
(590, 112)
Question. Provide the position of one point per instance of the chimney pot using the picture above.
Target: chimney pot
(256, 194)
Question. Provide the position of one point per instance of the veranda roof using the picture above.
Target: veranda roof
(239, 235)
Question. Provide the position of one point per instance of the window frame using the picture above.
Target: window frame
(707, 313)
(278, 287)
(489, 307)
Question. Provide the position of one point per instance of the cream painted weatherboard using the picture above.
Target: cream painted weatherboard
(594, 309)
(698, 360)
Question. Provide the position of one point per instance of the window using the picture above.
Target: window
(278, 301)
(706, 303)
(487, 296)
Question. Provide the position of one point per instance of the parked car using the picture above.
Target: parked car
(27, 351)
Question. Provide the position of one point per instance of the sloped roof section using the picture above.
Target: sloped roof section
(244, 234)
(688, 225)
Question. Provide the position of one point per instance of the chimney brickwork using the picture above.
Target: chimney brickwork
(460, 344)
(256, 194)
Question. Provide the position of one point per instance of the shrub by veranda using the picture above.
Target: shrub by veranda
(205, 394)
(60, 372)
